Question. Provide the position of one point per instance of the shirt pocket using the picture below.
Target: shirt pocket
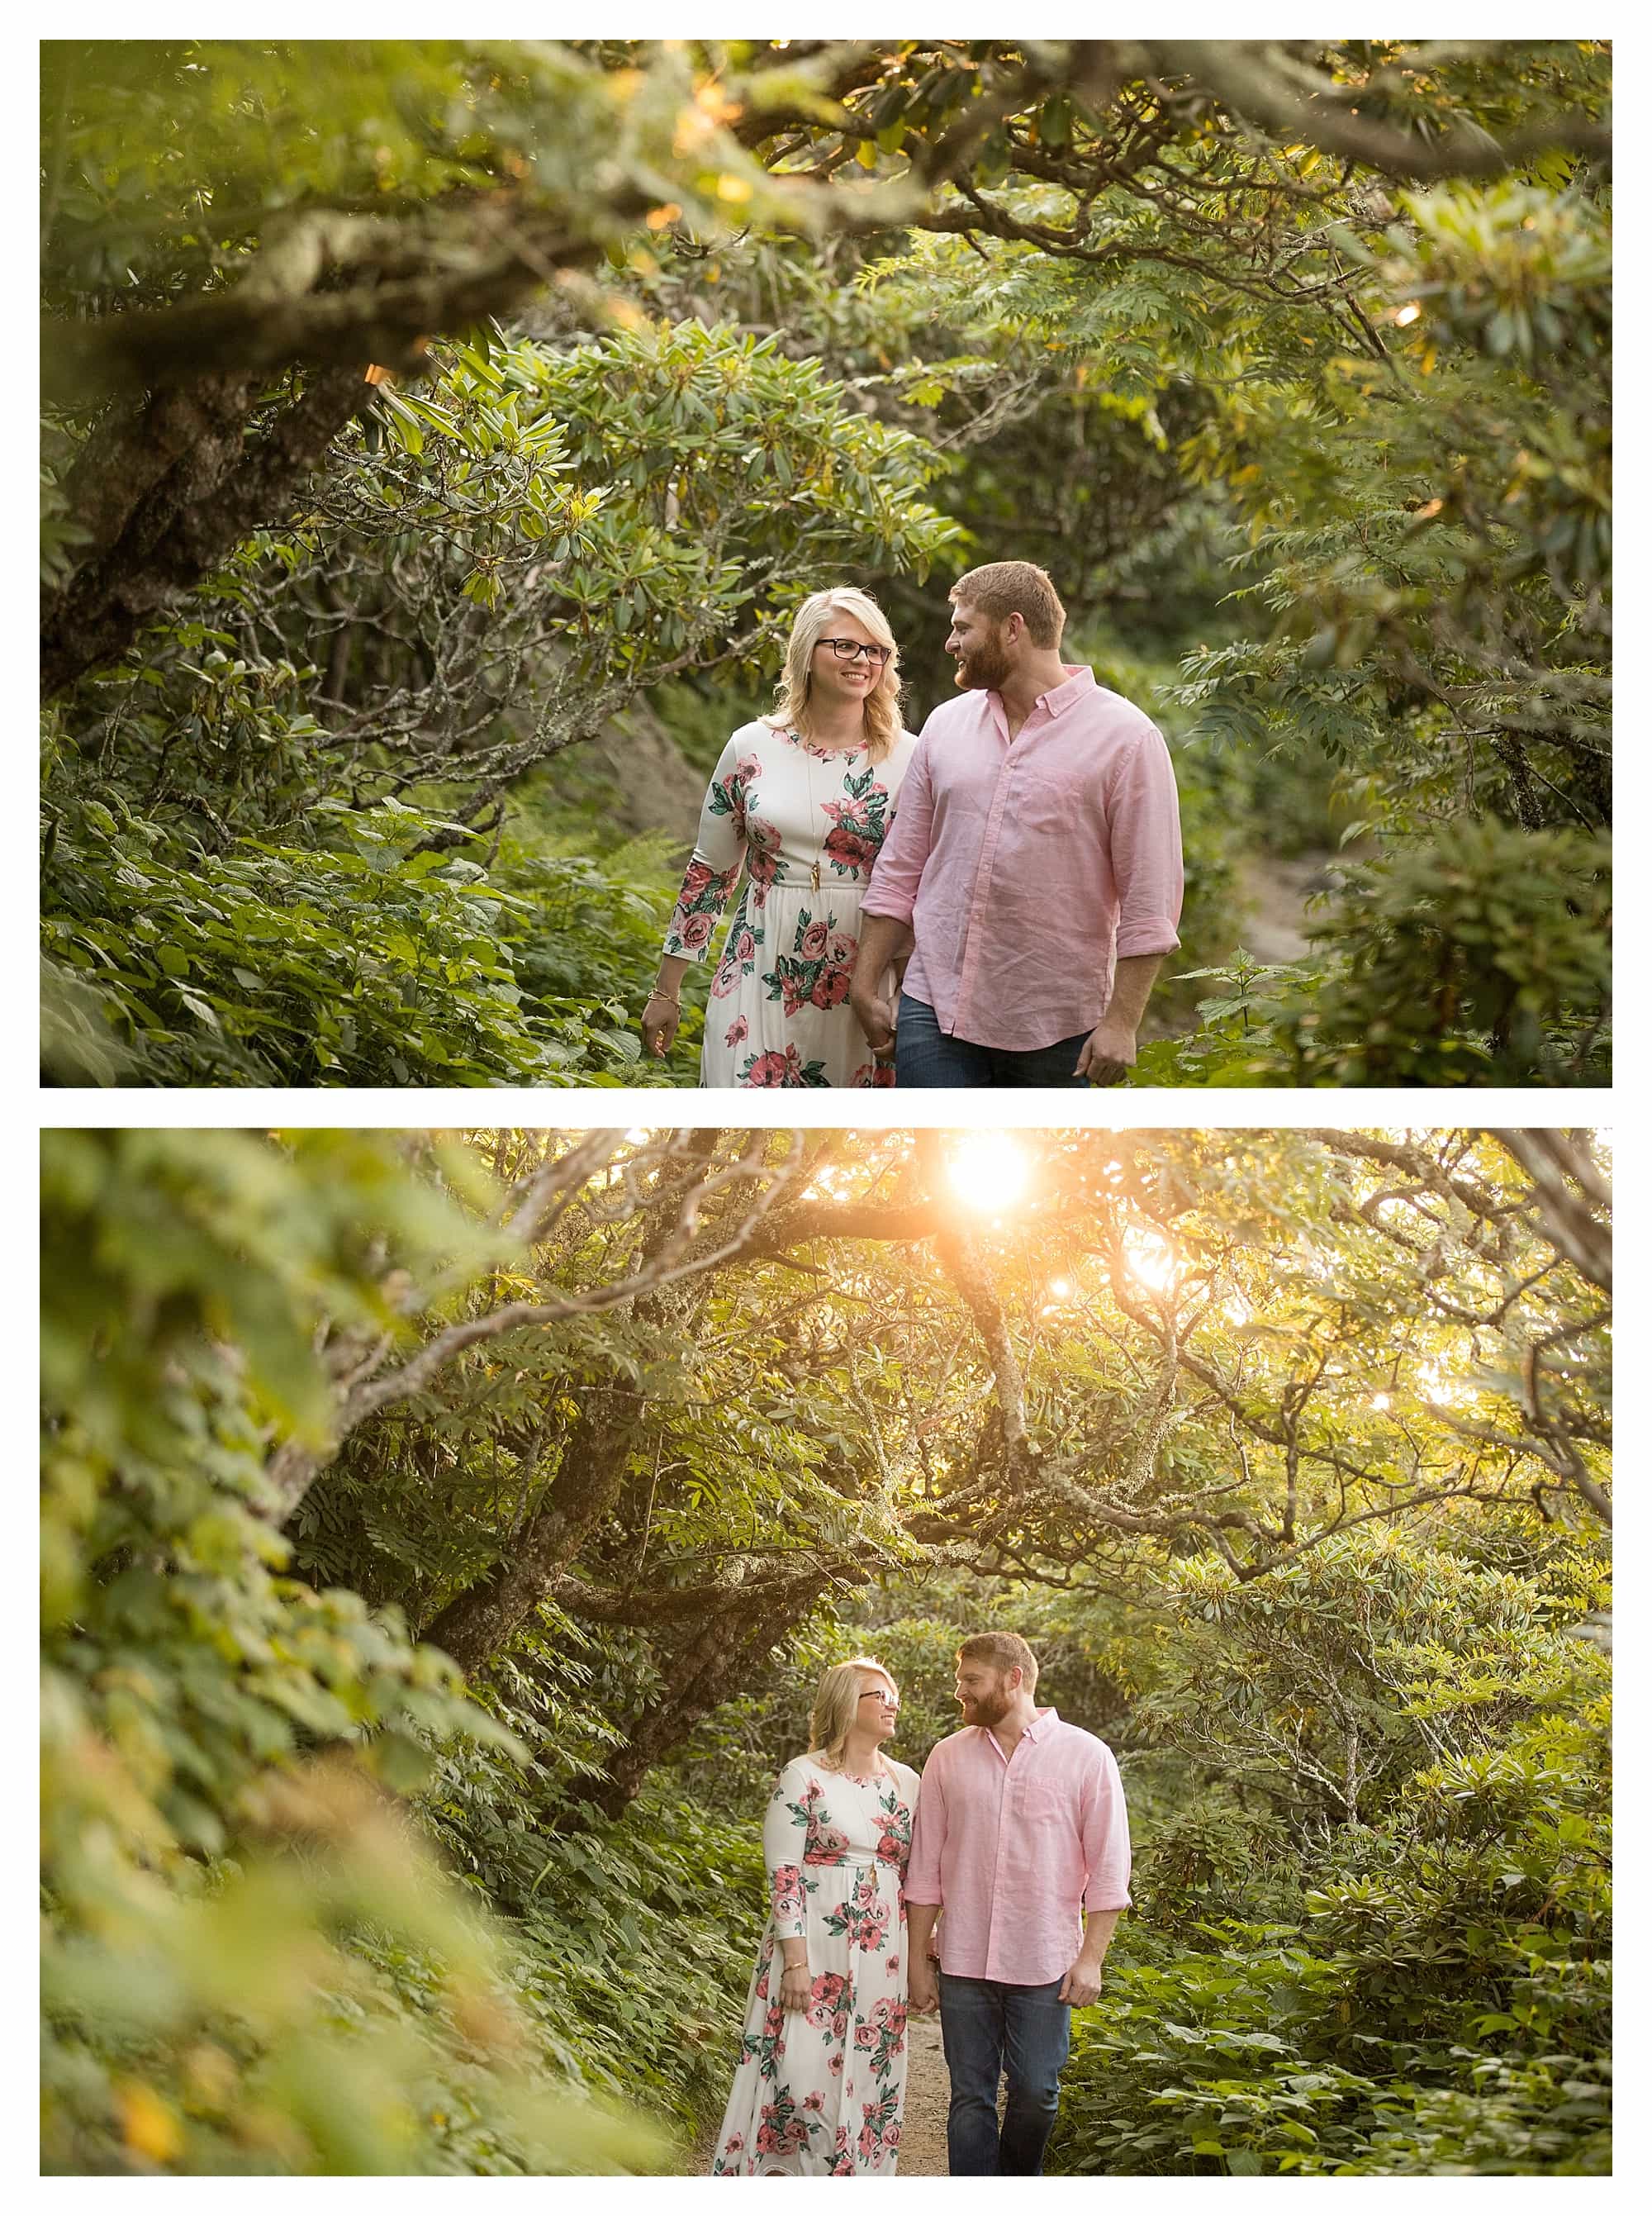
(1041, 1807)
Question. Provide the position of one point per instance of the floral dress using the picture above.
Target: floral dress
(819, 2092)
(804, 823)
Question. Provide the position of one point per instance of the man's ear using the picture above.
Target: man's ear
(1014, 625)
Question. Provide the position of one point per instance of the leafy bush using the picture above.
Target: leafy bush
(249, 1963)
(1479, 956)
(371, 960)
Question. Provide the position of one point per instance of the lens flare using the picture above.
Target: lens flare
(1150, 1260)
(988, 1170)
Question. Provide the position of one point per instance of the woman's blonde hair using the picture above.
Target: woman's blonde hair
(881, 707)
(836, 1697)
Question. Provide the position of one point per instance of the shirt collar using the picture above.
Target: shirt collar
(1080, 680)
(1043, 1718)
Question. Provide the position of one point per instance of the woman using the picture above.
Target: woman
(801, 800)
(823, 2063)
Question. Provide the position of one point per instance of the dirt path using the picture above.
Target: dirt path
(929, 2092)
(1273, 896)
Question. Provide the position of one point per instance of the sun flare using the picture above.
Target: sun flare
(988, 1170)
(1150, 1260)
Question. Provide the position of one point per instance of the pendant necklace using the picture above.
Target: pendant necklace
(808, 772)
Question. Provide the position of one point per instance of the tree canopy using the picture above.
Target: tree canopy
(414, 408)
(521, 1474)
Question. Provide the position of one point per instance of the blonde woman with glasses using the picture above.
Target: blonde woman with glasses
(800, 801)
(822, 2074)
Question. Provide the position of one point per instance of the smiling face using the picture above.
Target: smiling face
(982, 648)
(985, 1695)
(879, 1708)
(832, 683)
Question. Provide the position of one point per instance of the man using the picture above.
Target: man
(1021, 1821)
(1033, 867)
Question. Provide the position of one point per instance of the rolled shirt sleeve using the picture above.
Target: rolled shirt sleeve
(922, 1883)
(1144, 843)
(892, 890)
(1104, 1829)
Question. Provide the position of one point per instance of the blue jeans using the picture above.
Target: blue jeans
(926, 1055)
(990, 2029)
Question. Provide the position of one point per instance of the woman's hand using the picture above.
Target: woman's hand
(660, 1021)
(795, 1988)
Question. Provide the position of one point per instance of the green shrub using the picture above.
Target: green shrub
(1480, 956)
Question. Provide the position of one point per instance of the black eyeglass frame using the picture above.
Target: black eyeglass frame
(851, 650)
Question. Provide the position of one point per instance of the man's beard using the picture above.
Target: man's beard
(988, 1709)
(984, 669)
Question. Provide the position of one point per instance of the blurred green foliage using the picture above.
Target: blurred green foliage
(253, 1961)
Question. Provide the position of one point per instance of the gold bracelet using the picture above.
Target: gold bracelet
(658, 996)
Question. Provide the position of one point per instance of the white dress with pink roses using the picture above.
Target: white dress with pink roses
(819, 2092)
(805, 824)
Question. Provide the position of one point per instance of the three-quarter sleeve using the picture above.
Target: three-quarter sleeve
(1105, 1830)
(718, 854)
(928, 1838)
(782, 1857)
(1144, 844)
(893, 890)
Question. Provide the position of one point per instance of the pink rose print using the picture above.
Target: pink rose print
(814, 942)
(736, 1031)
(762, 855)
(788, 1889)
(770, 1068)
(830, 989)
(873, 1072)
(814, 2100)
(842, 947)
(695, 931)
(828, 2009)
(696, 878)
(745, 948)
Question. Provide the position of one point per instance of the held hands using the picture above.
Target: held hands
(660, 1021)
(1082, 1983)
(795, 1988)
(923, 1993)
(876, 1018)
(1108, 1051)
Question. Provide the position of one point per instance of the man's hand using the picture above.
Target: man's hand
(876, 1018)
(1108, 1051)
(923, 1993)
(1083, 1981)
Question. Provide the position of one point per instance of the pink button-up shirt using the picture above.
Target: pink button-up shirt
(1025, 866)
(1011, 1845)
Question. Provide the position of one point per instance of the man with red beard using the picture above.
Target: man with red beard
(1035, 864)
(1020, 1836)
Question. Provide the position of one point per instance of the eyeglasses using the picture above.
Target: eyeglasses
(851, 650)
(886, 1699)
